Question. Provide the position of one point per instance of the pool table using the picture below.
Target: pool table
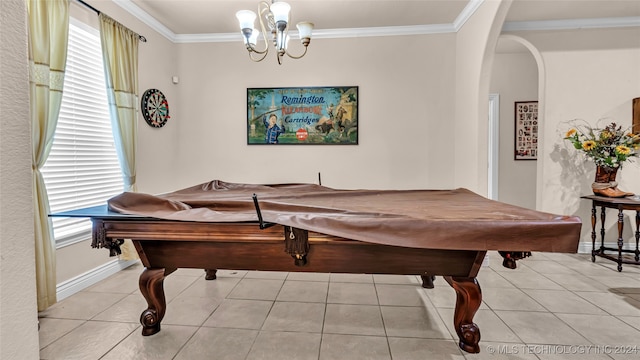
(294, 243)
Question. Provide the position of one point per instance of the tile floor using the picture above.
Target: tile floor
(554, 306)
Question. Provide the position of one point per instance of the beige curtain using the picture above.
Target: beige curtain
(48, 34)
(120, 53)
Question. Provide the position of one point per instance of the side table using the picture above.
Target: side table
(625, 203)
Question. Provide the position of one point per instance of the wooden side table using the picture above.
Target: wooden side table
(626, 203)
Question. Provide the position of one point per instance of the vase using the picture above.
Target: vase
(605, 183)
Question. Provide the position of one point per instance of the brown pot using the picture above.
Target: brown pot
(605, 183)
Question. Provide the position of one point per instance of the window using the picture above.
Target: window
(82, 169)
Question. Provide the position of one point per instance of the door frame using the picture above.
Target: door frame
(493, 146)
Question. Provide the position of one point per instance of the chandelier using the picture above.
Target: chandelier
(276, 16)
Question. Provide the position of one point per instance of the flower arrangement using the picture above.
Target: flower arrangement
(608, 147)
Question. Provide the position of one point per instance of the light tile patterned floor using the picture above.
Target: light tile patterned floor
(553, 306)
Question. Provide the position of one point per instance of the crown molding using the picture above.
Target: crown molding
(466, 13)
(329, 33)
(384, 31)
(144, 16)
(207, 38)
(572, 24)
(457, 24)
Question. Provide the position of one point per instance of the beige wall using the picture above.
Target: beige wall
(406, 86)
(156, 148)
(515, 78)
(590, 75)
(18, 311)
(417, 93)
(78, 258)
(475, 44)
(406, 113)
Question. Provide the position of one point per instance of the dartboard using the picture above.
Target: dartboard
(155, 108)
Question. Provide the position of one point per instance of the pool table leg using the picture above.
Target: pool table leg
(210, 274)
(427, 281)
(152, 288)
(469, 298)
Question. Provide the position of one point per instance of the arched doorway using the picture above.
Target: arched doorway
(516, 76)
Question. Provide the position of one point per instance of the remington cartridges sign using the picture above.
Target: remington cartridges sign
(302, 115)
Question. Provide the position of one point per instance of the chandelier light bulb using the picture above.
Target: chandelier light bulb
(304, 29)
(253, 39)
(280, 11)
(246, 18)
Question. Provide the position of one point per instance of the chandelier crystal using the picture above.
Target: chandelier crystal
(276, 16)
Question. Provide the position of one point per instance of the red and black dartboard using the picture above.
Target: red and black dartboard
(155, 108)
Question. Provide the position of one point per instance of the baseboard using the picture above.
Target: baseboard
(83, 281)
(585, 247)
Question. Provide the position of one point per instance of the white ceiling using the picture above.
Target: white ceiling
(182, 17)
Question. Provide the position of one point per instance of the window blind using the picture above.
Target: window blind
(82, 169)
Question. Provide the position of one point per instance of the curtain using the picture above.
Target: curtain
(48, 34)
(120, 53)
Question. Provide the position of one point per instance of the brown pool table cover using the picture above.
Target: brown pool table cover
(439, 219)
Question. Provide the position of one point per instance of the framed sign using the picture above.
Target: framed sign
(302, 116)
(526, 130)
(636, 116)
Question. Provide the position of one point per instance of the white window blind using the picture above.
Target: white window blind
(82, 169)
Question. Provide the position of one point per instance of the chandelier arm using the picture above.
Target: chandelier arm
(305, 42)
(254, 50)
(263, 8)
(299, 56)
(264, 55)
(283, 43)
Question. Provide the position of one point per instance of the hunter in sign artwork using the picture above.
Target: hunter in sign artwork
(309, 115)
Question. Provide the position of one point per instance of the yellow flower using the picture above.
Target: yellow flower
(609, 146)
(621, 149)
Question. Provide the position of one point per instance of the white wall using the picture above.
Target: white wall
(515, 78)
(18, 310)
